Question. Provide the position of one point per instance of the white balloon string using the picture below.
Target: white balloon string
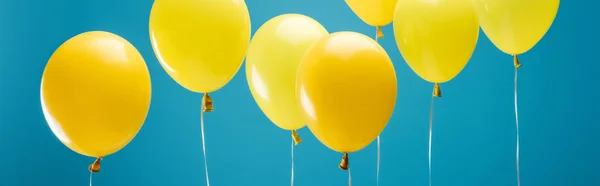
(203, 143)
(430, 135)
(91, 175)
(378, 138)
(517, 126)
(349, 177)
(293, 144)
(378, 158)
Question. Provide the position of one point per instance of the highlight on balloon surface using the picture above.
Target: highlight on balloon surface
(346, 86)
(95, 94)
(376, 13)
(436, 39)
(273, 58)
(514, 27)
(201, 44)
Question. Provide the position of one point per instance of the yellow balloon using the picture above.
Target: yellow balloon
(373, 12)
(436, 38)
(95, 93)
(515, 26)
(200, 43)
(272, 61)
(346, 86)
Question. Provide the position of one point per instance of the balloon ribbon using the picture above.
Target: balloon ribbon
(207, 106)
(437, 92)
(296, 137)
(378, 34)
(349, 178)
(517, 65)
(344, 166)
(295, 141)
(94, 168)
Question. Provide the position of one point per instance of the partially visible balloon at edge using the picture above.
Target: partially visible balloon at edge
(373, 12)
(516, 26)
(436, 50)
(272, 61)
(200, 43)
(95, 93)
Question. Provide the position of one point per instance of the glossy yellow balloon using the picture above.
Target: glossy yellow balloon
(200, 43)
(515, 26)
(436, 38)
(373, 12)
(346, 86)
(95, 93)
(273, 58)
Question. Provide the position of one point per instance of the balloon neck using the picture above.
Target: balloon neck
(379, 32)
(516, 61)
(95, 167)
(437, 92)
(344, 164)
(296, 137)
(207, 104)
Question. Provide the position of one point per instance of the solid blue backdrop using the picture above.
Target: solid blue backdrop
(474, 129)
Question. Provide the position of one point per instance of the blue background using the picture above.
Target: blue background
(474, 135)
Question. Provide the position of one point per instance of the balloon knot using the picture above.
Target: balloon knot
(296, 137)
(344, 164)
(437, 92)
(207, 104)
(95, 167)
(379, 32)
(517, 63)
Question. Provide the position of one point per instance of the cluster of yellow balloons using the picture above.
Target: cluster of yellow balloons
(96, 89)
(299, 75)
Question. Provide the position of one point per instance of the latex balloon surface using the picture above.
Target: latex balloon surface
(346, 87)
(515, 26)
(436, 38)
(95, 93)
(273, 58)
(373, 12)
(200, 43)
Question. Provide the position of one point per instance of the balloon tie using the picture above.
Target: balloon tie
(379, 32)
(207, 103)
(517, 127)
(436, 93)
(296, 137)
(294, 143)
(516, 61)
(206, 107)
(344, 164)
(94, 168)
